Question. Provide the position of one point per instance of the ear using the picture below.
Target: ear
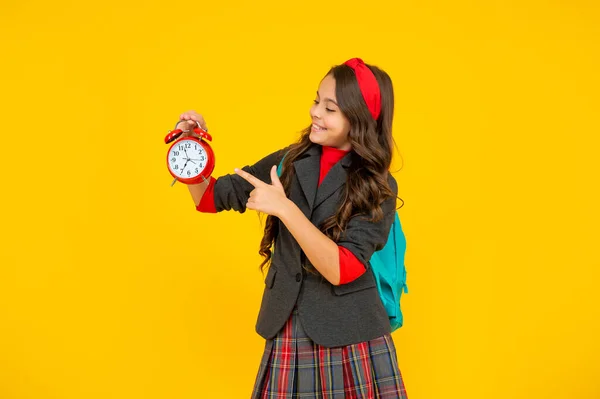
(274, 178)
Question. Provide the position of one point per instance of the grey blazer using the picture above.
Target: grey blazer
(331, 315)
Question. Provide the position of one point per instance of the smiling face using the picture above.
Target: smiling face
(330, 127)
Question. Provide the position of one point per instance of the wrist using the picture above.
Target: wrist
(287, 211)
(202, 183)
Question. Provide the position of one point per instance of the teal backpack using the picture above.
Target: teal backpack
(389, 270)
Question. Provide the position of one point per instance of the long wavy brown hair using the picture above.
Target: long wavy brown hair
(371, 155)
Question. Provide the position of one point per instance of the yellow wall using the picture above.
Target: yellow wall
(112, 286)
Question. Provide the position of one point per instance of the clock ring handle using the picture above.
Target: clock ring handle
(174, 134)
(202, 132)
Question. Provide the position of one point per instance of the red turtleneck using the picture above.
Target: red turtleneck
(350, 267)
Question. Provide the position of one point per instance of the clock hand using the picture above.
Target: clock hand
(186, 162)
(184, 165)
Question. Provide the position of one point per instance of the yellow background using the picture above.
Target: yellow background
(113, 286)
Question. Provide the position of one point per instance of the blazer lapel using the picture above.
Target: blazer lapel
(307, 170)
(334, 179)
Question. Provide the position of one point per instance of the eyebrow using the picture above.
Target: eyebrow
(328, 99)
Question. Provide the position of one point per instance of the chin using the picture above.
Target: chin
(318, 139)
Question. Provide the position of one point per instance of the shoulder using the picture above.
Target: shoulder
(280, 153)
(274, 157)
(392, 183)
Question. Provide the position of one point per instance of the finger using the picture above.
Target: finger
(196, 121)
(202, 123)
(249, 178)
(182, 124)
(274, 178)
(194, 117)
(189, 115)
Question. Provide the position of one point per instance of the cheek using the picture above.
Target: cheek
(339, 125)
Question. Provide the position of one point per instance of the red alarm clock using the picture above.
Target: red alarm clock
(190, 160)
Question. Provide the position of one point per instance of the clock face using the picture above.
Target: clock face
(187, 159)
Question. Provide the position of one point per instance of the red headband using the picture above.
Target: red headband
(368, 85)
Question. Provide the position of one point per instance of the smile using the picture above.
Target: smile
(317, 128)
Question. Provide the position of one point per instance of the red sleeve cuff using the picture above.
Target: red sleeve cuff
(207, 202)
(350, 267)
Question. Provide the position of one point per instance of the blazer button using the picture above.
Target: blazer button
(298, 277)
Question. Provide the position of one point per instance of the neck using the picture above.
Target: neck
(345, 147)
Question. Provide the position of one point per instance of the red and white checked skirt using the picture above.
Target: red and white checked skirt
(293, 366)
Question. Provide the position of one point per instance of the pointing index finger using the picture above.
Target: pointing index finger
(249, 178)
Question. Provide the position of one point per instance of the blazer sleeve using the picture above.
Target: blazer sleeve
(232, 191)
(363, 237)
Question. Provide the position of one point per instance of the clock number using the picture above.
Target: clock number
(189, 172)
(176, 167)
(176, 153)
(196, 171)
(188, 145)
(173, 159)
(202, 158)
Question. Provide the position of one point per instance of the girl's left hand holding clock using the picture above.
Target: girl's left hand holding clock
(266, 198)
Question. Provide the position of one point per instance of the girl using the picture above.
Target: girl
(327, 332)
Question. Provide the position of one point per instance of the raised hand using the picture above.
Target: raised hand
(266, 198)
(190, 120)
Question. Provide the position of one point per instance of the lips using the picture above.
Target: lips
(317, 128)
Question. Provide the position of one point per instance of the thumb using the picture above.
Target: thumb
(274, 178)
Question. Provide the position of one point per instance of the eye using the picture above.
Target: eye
(326, 109)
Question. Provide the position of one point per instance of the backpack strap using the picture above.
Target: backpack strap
(280, 166)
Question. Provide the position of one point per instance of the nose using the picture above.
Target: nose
(315, 113)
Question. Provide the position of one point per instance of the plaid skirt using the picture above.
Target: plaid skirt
(293, 366)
